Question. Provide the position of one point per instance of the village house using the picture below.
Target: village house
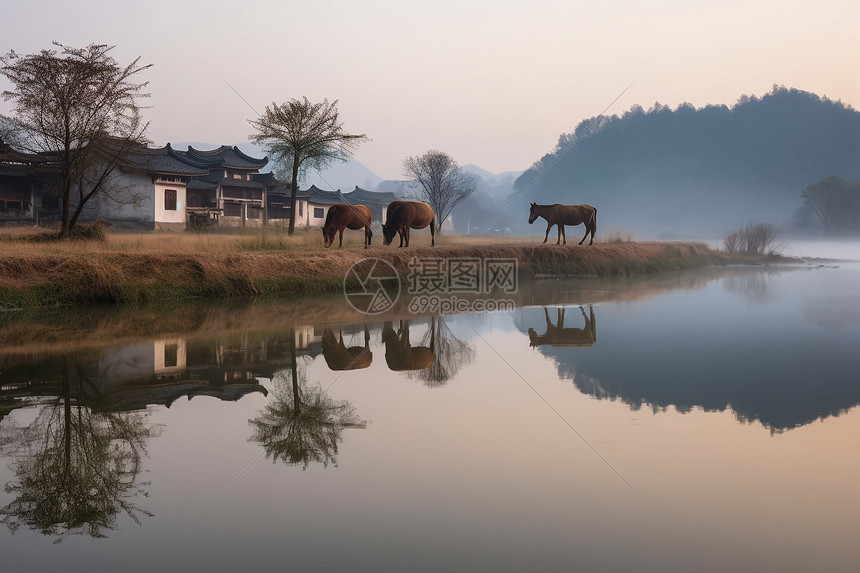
(22, 200)
(230, 194)
(312, 204)
(166, 189)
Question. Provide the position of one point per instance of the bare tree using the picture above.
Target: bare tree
(301, 134)
(78, 109)
(439, 181)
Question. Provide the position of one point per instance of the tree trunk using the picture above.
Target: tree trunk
(64, 223)
(294, 188)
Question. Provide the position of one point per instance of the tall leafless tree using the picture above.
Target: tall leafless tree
(439, 181)
(300, 134)
(78, 109)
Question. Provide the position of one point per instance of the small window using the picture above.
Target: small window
(171, 355)
(170, 199)
(319, 213)
(232, 209)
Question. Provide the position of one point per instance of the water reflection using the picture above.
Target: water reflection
(434, 359)
(77, 466)
(786, 362)
(301, 424)
(400, 355)
(338, 356)
(450, 355)
(559, 335)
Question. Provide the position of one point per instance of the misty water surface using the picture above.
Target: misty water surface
(699, 421)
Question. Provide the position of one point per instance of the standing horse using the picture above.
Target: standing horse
(404, 215)
(562, 215)
(342, 216)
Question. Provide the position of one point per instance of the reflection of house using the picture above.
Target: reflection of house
(133, 376)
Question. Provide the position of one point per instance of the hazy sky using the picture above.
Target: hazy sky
(492, 82)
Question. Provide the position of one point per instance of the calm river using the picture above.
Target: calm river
(702, 421)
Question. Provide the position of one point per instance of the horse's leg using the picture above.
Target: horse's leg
(546, 315)
(548, 227)
(340, 244)
(590, 227)
(367, 236)
(433, 233)
(563, 236)
(560, 228)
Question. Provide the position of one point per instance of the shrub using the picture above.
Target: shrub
(754, 239)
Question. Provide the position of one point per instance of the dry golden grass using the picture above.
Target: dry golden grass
(142, 267)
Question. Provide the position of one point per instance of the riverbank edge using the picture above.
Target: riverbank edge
(110, 278)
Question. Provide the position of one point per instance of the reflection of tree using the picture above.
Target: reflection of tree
(76, 468)
(754, 287)
(450, 355)
(301, 424)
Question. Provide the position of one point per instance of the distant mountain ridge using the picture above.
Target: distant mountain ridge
(699, 171)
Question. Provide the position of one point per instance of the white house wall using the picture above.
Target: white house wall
(169, 220)
(128, 205)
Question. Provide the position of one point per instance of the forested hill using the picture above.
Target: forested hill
(699, 171)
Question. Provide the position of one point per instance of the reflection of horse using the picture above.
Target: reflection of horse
(562, 215)
(399, 352)
(558, 335)
(342, 216)
(404, 215)
(340, 357)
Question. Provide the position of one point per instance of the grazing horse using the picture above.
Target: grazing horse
(404, 215)
(562, 215)
(342, 216)
(557, 335)
(400, 355)
(340, 357)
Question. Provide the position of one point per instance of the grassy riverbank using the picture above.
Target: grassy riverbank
(157, 267)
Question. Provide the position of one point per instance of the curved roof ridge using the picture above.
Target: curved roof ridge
(247, 157)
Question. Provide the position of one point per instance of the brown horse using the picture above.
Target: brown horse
(562, 215)
(558, 335)
(401, 355)
(342, 216)
(340, 357)
(404, 215)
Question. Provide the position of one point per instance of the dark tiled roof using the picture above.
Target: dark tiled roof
(359, 196)
(317, 195)
(162, 160)
(286, 190)
(225, 156)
